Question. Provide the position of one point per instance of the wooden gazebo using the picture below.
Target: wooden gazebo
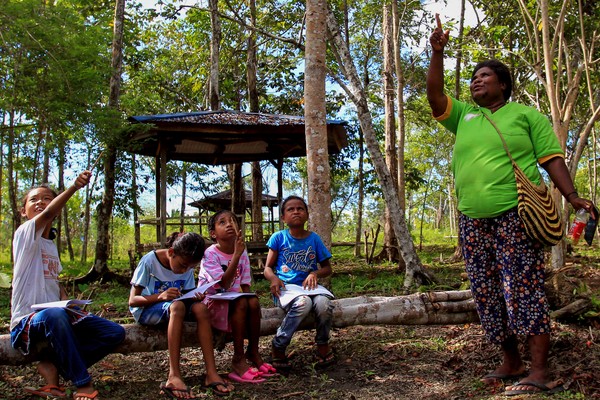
(222, 137)
(222, 200)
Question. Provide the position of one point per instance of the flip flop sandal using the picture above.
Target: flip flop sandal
(252, 375)
(80, 395)
(282, 365)
(326, 360)
(539, 388)
(49, 391)
(267, 370)
(170, 392)
(214, 387)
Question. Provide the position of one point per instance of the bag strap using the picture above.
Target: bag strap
(514, 163)
(501, 137)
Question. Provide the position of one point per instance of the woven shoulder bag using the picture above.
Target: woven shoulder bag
(536, 207)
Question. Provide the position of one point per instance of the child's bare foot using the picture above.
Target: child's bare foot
(265, 368)
(240, 366)
(254, 358)
(503, 373)
(48, 371)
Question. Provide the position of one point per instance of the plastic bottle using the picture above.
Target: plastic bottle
(581, 218)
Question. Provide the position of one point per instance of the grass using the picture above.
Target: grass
(352, 277)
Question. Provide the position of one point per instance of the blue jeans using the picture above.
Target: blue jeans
(74, 348)
(296, 311)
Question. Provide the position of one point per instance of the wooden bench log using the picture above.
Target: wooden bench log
(439, 308)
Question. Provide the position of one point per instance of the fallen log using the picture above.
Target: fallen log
(572, 310)
(439, 308)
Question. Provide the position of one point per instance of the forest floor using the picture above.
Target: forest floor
(373, 362)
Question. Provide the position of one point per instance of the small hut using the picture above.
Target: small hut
(219, 138)
(222, 200)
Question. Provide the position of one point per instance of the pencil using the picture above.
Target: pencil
(96, 162)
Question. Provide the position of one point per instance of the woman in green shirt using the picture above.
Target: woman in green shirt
(504, 265)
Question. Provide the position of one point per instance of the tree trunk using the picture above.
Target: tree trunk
(12, 181)
(390, 126)
(134, 202)
(257, 215)
(257, 188)
(457, 82)
(361, 194)
(65, 211)
(317, 155)
(415, 272)
(87, 214)
(400, 100)
(2, 170)
(100, 266)
(436, 308)
(215, 42)
(183, 195)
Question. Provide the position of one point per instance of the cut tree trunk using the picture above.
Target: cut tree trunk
(436, 308)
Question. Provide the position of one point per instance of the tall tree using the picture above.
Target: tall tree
(215, 46)
(555, 54)
(315, 116)
(257, 186)
(390, 123)
(105, 209)
(415, 272)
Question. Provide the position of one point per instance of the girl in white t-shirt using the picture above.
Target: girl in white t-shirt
(76, 338)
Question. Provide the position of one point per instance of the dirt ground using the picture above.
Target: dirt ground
(373, 362)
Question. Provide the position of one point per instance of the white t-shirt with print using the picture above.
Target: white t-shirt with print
(36, 269)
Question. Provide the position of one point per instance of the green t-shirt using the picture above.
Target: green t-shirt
(484, 178)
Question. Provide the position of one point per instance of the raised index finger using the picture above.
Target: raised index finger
(439, 22)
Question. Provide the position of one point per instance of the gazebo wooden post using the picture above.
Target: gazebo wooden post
(163, 194)
(157, 167)
(279, 167)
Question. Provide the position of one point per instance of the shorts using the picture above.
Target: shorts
(158, 313)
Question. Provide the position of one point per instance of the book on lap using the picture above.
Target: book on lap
(60, 304)
(200, 289)
(292, 291)
(229, 295)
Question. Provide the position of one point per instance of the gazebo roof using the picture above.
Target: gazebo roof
(222, 200)
(227, 137)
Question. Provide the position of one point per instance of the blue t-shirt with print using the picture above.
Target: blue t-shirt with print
(296, 258)
(156, 278)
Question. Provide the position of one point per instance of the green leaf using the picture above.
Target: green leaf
(4, 280)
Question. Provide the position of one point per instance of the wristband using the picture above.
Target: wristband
(574, 192)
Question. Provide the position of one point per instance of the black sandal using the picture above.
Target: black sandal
(326, 360)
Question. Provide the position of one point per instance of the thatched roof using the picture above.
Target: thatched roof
(222, 201)
(227, 137)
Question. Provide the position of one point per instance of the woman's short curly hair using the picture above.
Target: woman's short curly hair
(501, 71)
